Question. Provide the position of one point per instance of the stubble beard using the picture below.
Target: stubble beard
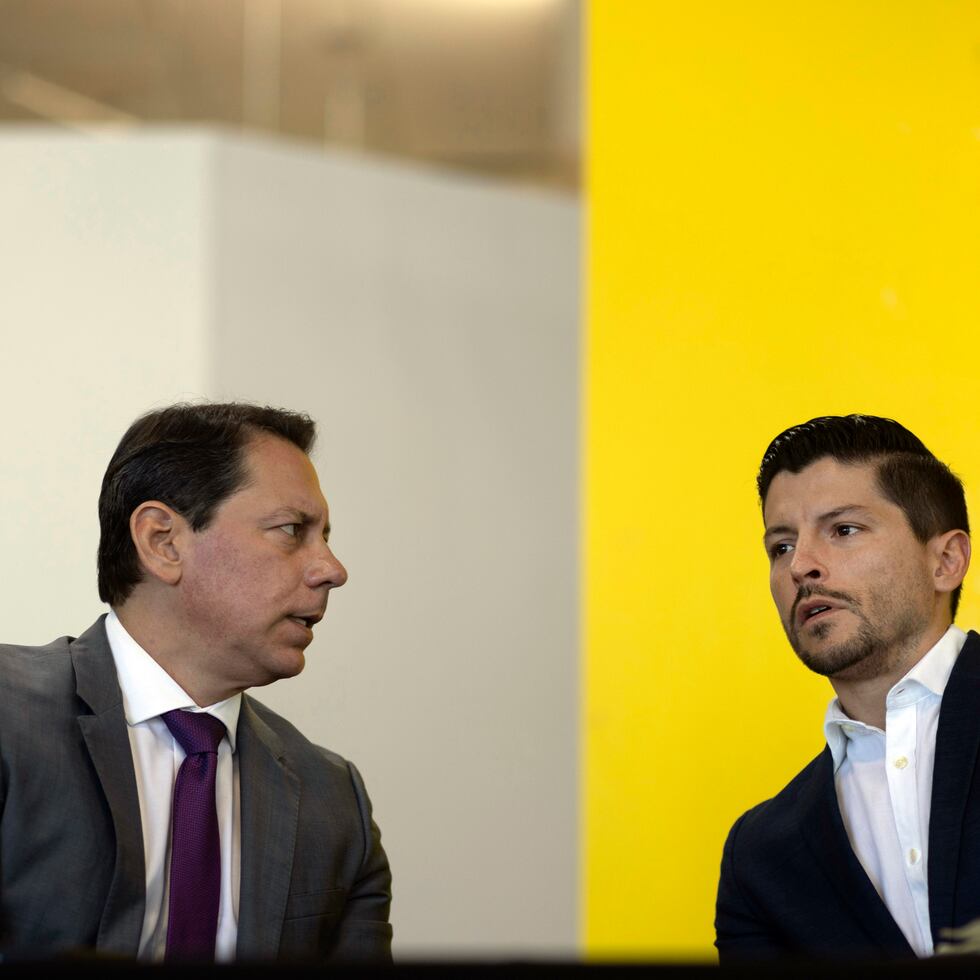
(866, 654)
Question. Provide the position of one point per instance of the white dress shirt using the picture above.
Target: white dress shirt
(148, 691)
(884, 787)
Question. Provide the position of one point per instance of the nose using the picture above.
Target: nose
(325, 569)
(807, 563)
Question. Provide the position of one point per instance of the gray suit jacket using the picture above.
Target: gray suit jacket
(314, 878)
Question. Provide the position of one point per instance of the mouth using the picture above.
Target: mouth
(308, 620)
(813, 610)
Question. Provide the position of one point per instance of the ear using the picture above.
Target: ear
(952, 553)
(156, 530)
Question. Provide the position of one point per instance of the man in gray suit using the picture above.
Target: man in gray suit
(215, 562)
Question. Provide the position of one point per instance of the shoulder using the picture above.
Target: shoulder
(765, 888)
(38, 693)
(967, 664)
(776, 821)
(36, 673)
(302, 754)
(331, 786)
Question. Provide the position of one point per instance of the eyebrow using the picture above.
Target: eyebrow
(830, 515)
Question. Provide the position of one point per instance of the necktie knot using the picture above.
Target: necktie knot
(196, 731)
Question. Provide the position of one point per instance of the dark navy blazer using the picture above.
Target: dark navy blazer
(792, 886)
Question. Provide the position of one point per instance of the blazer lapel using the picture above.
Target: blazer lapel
(957, 745)
(269, 817)
(823, 830)
(107, 740)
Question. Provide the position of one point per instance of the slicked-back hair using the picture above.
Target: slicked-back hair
(190, 457)
(928, 492)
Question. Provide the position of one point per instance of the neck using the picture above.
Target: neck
(171, 648)
(863, 689)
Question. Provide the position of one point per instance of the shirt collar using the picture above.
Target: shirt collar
(927, 678)
(148, 690)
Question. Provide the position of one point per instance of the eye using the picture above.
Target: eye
(779, 549)
(291, 529)
(846, 530)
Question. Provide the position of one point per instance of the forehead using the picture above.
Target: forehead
(821, 487)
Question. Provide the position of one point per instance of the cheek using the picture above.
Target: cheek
(919, 579)
(225, 578)
(898, 581)
(780, 585)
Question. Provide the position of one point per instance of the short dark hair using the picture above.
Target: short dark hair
(929, 493)
(190, 457)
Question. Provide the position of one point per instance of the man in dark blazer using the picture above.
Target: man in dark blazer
(873, 850)
(214, 560)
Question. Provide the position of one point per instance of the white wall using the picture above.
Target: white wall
(430, 324)
(103, 313)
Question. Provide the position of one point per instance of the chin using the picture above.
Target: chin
(856, 658)
(292, 663)
(284, 665)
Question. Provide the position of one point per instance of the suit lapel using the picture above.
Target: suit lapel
(107, 740)
(269, 817)
(823, 830)
(957, 744)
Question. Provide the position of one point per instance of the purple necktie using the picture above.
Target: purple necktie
(195, 854)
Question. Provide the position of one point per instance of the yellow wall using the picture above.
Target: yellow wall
(783, 222)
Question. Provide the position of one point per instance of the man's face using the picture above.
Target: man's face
(851, 582)
(257, 578)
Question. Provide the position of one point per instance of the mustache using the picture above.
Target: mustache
(808, 592)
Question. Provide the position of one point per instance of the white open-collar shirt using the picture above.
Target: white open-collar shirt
(147, 692)
(884, 786)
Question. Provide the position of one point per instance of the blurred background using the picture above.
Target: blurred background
(547, 336)
(367, 210)
(486, 86)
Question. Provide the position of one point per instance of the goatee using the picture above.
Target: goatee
(865, 647)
